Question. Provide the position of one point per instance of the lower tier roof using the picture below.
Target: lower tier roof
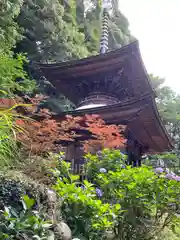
(141, 117)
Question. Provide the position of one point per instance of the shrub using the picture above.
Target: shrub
(27, 224)
(9, 128)
(122, 202)
(14, 184)
(8, 146)
(13, 78)
(110, 160)
(150, 201)
(82, 208)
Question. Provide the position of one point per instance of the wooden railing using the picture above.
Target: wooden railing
(78, 168)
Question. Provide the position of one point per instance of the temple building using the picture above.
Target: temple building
(116, 86)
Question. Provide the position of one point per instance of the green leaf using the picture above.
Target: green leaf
(46, 225)
(28, 202)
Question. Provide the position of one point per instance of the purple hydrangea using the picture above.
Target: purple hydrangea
(123, 166)
(169, 176)
(172, 176)
(159, 170)
(103, 170)
(99, 192)
(177, 178)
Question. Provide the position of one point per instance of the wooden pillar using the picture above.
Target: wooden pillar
(134, 152)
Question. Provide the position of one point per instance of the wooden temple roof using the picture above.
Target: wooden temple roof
(122, 74)
(141, 117)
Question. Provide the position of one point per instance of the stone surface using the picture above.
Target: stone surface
(63, 230)
(51, 196)
(51, 236)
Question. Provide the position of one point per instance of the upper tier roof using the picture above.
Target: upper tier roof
(119, 73)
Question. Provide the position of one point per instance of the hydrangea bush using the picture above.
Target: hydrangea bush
(26, 224)
(167, 174)
(82, 208)
(118, 201)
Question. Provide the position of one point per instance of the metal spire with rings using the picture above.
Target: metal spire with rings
(106, 7)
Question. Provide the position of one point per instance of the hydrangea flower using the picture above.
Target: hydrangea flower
(177, 178)
(172, 176)
(159, 170)
(103, 170)
(99, 192)
(169, 176)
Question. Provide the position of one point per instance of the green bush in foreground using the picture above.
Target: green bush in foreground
(14, 184)
(121, 202)
(85, 213)
(27, 224)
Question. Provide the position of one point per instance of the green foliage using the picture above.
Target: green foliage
(10, 32)
(150, 202)
(108, 159)
(156, 81)
(83, 210)
(57, 104)
(166, 160)
(9, 153)
(11, 70)
(13, 184)
(8, 146)
(89, 16)
(60, 30)
(119, 31)
(49, 35)
(123, 202)
(53, 31)
(27, 224)
(167, 234)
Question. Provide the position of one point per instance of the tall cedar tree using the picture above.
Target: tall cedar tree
(50, 32)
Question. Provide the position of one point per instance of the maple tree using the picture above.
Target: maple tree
(49, 132)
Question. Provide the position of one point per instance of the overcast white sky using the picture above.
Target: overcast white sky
(156, 23)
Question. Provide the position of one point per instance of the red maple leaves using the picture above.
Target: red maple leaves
(50, 132)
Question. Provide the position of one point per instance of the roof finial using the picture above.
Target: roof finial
(106, 6)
